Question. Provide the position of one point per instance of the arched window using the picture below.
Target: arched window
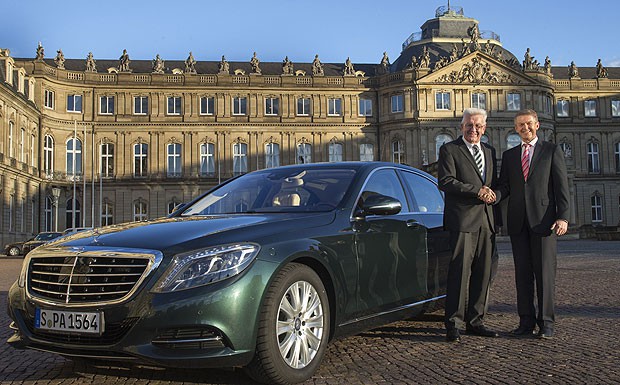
(304, 153)
(11, 144)
(207, 159)
(272, 155)
(174, 160)
(74, 157)
(398, 152)
(48, 155)
(597, 208)
(107, 160)
(107, 214)
(240, 158)
(140, 159)
(593, 158)
(73, 216)
(140, 212)
(440, 140)
(367, 152)
(512, 140)
(335, 152)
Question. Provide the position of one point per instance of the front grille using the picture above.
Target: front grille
(87, 278)
(190, 338)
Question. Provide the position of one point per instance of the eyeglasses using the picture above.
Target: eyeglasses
(476, 126)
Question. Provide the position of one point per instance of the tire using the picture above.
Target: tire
(293, 332)
(14, 251)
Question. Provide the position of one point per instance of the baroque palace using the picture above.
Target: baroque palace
(93, 142)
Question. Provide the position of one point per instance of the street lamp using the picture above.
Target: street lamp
(55, 196)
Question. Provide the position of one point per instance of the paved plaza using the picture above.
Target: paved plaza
(585, 350)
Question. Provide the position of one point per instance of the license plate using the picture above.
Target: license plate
(69, 321)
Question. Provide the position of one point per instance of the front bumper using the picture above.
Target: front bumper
(209, 326)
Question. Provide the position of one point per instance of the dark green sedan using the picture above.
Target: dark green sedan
(261, 273)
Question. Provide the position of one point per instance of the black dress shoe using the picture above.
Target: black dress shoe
(481, 331)
(453, 335)
(522, 331)
(545, 333)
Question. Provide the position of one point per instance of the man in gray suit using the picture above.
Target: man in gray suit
(533, 177)
(466, 172)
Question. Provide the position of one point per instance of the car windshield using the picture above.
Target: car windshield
(284, 190)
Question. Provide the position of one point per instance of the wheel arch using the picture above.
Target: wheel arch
(328, 282)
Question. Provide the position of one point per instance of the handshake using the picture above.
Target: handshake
(487, 195)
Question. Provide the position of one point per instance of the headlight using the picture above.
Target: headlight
(203, 267)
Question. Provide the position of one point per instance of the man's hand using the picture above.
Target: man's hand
(486, 195)
(560, 226)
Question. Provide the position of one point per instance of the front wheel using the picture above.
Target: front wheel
(13, 251)
(293, 328)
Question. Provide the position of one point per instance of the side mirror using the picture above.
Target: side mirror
(380, 205)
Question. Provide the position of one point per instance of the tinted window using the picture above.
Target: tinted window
(427, 198)
(385, 182)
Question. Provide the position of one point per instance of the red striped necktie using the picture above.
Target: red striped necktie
(525, 160)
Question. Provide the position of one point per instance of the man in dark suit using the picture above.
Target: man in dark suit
(466, 172)
(533, 177)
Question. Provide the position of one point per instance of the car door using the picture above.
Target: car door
(391, 250)
(427, 203)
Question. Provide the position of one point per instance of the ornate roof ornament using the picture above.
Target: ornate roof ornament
(40, 52)
(287, 67)
(190, 64)
(573, 71)
(317, 66)
(60, 60)
(91, 64)
(476, 71)
(601, 72)
(224, 67)
(123, 62)
(348, 68)
(255, 63)
(158, 65)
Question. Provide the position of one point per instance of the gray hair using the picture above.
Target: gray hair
(474, 111)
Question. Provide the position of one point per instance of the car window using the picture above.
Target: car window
(427, 197)
(385, 182)
(291, 190)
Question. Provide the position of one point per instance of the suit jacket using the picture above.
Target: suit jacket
(460, 180)
(544, 198)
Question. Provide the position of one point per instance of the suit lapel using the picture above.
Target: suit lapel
(488, 164)
(538, 150)
(469, 156)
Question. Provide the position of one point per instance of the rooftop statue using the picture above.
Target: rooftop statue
(317, 66)
(123, 62)
(60, 60)
(91, 65)
(158, 65)
(190, 64)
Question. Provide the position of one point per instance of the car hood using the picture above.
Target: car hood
(183, 234)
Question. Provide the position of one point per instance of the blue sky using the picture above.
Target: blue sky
(335, 29)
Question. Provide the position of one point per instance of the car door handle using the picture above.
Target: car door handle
(413, 224)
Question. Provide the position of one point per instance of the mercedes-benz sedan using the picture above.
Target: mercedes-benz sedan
(261, 273)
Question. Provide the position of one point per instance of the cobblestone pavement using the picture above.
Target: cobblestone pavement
(586, 348)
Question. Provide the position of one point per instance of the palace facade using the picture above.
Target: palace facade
(92, 142)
